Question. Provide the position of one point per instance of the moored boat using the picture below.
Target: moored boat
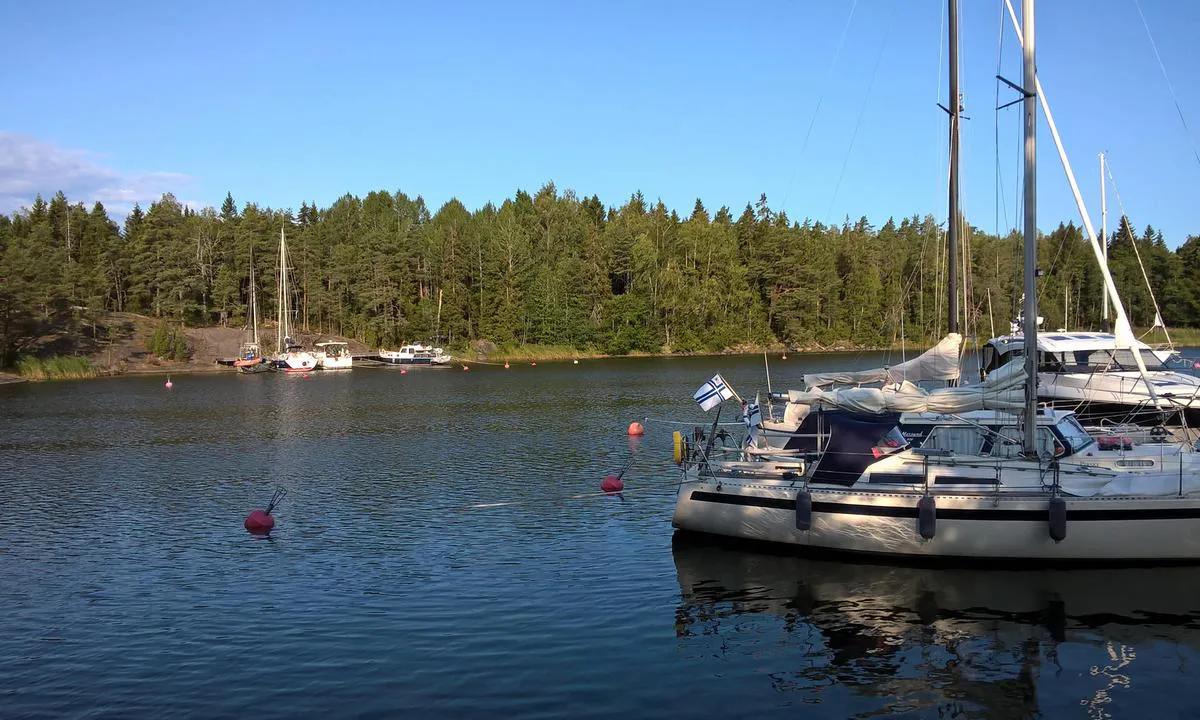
(1003, 480)
(414, 354)
(333, 355)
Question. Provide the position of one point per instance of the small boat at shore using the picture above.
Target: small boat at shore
(333, 355)
(250, 358)
(414, 354)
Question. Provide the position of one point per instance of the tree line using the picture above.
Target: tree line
(554, 269)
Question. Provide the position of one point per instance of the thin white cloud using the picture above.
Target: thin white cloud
(29, 166)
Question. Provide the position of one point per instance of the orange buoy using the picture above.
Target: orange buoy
(635, 428)
(465, 368)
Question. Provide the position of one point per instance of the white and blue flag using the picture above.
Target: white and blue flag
(752, 415)
(713, 392)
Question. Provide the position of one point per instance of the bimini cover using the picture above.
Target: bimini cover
(1004, 389)
(939, 362)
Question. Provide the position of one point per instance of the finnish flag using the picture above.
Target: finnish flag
(712, 393)
(752, 415)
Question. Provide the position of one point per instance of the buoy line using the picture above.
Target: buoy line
(662, 421)
(580, 496)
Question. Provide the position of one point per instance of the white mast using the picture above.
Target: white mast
(1121, 327)
(1103, 233)
(1030, 332)
(253, 301)
(282, 329)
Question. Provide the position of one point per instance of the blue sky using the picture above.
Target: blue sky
(281, 103)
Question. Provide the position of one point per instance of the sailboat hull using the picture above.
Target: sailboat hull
(968, 526)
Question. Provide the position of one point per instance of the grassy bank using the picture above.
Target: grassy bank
(57, 367)
(1181, 337)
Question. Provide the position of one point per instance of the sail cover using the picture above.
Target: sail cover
(939, 362)
(1003, 390)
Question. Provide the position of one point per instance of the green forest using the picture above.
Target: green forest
(554, 269)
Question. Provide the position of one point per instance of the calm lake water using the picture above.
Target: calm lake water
(443, 552)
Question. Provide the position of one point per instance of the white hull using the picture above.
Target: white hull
(423, 356)
(332, 363)
(1174, 391)
(296, 361)
(984, 525)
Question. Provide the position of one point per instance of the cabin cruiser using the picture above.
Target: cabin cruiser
(415, 354)
(333, 355)
(1099, 378)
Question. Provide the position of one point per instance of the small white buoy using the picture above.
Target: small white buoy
(168, 384)
(576, 362)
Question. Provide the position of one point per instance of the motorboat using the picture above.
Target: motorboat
(333, 355)
(1099, 378)
(414, 354)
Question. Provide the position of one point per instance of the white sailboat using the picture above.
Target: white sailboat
(986, 483)
(290, 356)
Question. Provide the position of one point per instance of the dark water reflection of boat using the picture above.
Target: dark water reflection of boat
(949, 642)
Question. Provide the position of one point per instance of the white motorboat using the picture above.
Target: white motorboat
(333, 355)
(415, 354)
(1099, 378)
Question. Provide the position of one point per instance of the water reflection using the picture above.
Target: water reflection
(954, 642)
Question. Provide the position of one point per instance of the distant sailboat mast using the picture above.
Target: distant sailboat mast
(283, 332)
(253, 300)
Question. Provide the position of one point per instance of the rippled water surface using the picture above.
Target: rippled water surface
(443, 552)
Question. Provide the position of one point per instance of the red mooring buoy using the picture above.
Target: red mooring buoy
(612, 484)
(635, 428)
(258, 521)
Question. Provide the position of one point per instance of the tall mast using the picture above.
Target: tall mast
(1030, 331)
(281, 328)
(253, 300)
(953, 221)
(1103, 234)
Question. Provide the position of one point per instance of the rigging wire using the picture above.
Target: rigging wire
(1001, 206)
(862, 110)
(1167, 78)
(820, 99)
(1138, 254)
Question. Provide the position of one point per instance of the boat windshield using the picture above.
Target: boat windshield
(1092, 361)
(1074, 433)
